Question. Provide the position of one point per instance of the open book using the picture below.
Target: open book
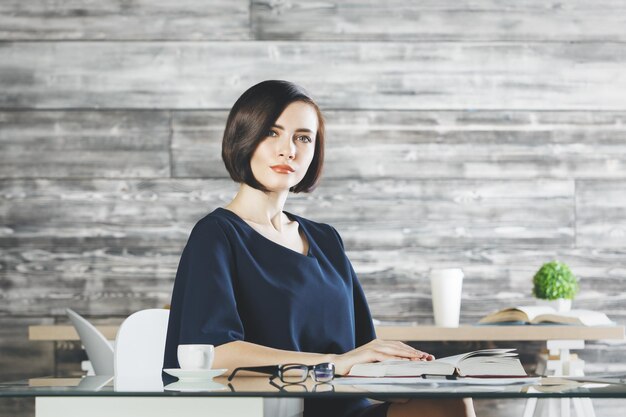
(545, 314)
(486, 362)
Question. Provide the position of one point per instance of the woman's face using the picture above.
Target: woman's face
(281, 160)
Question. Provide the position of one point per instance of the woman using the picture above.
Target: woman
(266, 286)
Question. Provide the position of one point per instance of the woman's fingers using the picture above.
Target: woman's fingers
(405, 346)
(395, 343)
(378, 351)
(392, 350)
(391, 343)
(402, 349)
(395, 351)
(426, 356)
(421, 354)
(379, 354)
(382, 356)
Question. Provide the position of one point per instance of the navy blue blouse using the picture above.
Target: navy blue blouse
(235, 284)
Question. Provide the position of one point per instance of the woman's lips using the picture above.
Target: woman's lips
(283, 169)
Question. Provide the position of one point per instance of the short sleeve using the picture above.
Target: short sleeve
(363, 324)
(204, 308)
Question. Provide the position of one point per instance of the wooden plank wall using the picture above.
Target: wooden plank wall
(488, 135)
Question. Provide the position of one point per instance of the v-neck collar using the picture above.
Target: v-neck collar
(291, 217)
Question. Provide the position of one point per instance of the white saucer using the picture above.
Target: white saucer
(195, 386)
(194, 374)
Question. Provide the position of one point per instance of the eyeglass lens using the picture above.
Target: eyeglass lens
(294, 373)
(324, 372)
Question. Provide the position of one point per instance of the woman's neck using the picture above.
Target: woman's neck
(255, 206)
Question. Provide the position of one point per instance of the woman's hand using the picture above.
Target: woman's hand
(375, 351)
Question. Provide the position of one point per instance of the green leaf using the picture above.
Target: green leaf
(554, 280)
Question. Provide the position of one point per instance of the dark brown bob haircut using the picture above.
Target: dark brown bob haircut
(249, 122)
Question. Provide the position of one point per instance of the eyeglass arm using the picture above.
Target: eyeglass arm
(269, 369)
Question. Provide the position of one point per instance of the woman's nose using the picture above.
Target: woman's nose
(287, 148)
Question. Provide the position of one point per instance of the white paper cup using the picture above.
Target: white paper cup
(195, 356)
(446, 286)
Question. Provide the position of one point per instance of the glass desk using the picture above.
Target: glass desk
(249, 396)
(560, 341)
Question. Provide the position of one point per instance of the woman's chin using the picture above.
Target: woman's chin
(279, 186)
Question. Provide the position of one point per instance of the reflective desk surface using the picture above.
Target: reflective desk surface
(547, 387)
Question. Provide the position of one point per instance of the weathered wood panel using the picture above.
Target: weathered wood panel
(360, 144)
(112, 246)
(19, 357)
(155, 211)
(301, 20)
(402, 213)
(378, 75)
(84, 144)
(601, 214)
(125, 20)
(434, 144)
(197, 143)
(414, 145)
(114, 278)
(400, 20)
(434, 213)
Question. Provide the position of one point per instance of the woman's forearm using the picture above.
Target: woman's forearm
(239, 353)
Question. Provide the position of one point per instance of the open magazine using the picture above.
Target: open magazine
(545, 314)
(479, 363)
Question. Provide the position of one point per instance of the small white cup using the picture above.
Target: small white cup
(445, 287)
(195, 356)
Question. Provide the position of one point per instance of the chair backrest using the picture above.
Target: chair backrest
(140, 344)
(98, 348)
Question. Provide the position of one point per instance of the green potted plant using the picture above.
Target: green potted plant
(555, 281)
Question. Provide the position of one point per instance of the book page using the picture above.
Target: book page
(584, 317)
(456, 359)
(520, 314)
(534, 311)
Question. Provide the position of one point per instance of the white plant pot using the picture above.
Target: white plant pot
(561, 305)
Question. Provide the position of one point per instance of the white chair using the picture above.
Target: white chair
(139, 351)
(98, 348)
(137, 362)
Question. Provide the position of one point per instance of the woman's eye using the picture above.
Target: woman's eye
(305, 139)
(272, 133)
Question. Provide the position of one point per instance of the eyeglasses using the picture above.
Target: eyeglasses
(293, 373)
(301, 387)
